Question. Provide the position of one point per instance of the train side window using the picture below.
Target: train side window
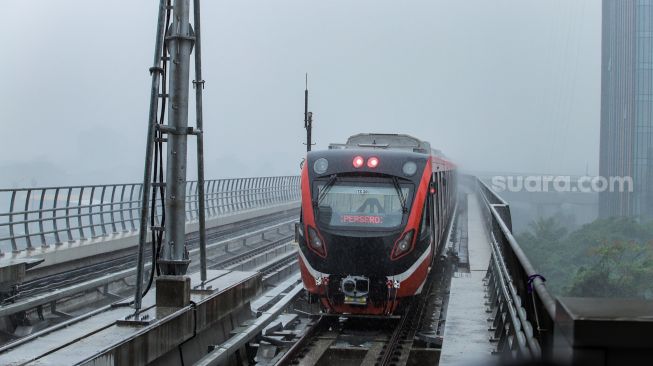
(426, 219)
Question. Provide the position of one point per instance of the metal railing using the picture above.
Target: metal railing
(523, 311)
(40, 217)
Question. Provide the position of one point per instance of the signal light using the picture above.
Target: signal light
(358, 161)
(372, 162)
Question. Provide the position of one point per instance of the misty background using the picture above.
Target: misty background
(502, 85)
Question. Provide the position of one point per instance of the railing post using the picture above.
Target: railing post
(14, 245)
(248, 193)
(80, 223)
(55, 225)
(91, 222)
(232, 198)
(123, 222)
(210, 207)
(28, 240)
(44, 243)
(235, 192)
(268, 190)
(112, 210)
(102, 222)
(241, 194)
(219, 196)
(188, 204)
(131, 204)
(68, 227)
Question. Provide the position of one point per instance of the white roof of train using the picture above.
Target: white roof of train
(387, 141)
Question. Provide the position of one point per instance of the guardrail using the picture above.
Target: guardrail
(47, 216)
(523, 310)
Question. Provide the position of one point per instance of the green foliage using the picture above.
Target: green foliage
(622, 269)
(606, 258)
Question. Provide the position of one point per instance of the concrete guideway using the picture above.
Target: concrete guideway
(284, 293)
(61, 293)
(466, 336)
(101, 339)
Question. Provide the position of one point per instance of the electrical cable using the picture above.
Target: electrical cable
(157, 235)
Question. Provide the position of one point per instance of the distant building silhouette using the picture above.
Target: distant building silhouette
(627, 106)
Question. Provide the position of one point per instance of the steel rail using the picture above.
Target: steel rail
(294, 292)
(217, 233)
(304, 340)
(232, 262)
(62, 293)
(408, 323)
(222, 352)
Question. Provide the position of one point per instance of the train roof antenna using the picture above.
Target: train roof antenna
(308, 118)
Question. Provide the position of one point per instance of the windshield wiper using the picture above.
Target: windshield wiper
(402, 199)
(332, 180)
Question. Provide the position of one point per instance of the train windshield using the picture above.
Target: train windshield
(357, 204)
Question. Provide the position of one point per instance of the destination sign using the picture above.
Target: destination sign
(361, 219)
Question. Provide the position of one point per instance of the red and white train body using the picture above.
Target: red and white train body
(374, 211)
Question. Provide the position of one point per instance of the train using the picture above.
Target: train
(374, 212)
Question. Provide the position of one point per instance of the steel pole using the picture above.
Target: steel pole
(306, 118)
(309, 131)
(199, 86)
(180, 43)
(147, 173)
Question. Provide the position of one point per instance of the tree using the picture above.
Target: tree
(621, 269)
(606, 258)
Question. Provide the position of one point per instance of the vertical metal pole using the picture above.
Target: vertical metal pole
(199, 85)
(147, 172)
(179, 43)
(309, 130)
(307, 118)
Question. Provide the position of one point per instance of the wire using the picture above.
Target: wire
(157, 235)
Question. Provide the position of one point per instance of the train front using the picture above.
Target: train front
(364, 233)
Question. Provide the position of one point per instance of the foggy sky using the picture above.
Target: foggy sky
(497, 85)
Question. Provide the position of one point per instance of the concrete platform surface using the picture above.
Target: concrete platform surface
(101, 340)
(466, 336)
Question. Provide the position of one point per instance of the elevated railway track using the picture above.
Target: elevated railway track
(246, 217)
(277, 325)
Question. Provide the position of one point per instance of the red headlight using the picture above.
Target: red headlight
(372, 162)
(358, 161)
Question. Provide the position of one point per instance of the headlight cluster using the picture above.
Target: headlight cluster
(403, 245)
(320, 166)
(409, 168)
(315, 242)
